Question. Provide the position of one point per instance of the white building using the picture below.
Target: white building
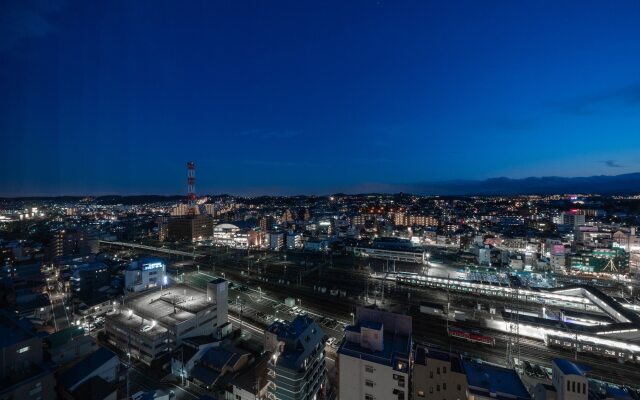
(375, 357)
(225, 234)
(145, 274)
(151, 323)
(569, 380)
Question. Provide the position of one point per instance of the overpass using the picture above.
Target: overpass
(151, 249)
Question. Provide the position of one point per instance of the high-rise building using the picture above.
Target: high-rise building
(297, 370)
(374, 358)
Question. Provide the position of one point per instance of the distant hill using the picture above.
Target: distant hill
(105, 200)
(602, 184)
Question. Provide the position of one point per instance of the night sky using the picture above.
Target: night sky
(312, 96)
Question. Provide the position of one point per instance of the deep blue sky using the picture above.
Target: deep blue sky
(313, 96)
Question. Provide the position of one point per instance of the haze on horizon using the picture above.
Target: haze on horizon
(313, 97)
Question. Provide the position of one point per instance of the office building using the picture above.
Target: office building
(438, 375)
(374, 358)
(190, 228)
(144, 274)
(296, 370)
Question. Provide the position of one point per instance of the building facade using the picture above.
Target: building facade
(145, 274)
(438, 375)
(375, 356)
(296, 370)
(190, 228)
(154, 322)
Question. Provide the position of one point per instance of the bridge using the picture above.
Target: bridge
(151, 249)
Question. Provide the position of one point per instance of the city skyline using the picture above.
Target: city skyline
(293, 98)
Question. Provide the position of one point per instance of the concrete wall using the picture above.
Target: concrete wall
(353, 378)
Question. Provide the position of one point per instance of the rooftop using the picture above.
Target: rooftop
(13, 330)
(137, 323)
(423, 353)
(301, 336)
(254, 373)
(64, 336)
(218, 357)
(76, 373)
(170, 306)
(95, 388)
(393, 347)
(570, 368)
(498, 382)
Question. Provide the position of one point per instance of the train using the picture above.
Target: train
(474, 336)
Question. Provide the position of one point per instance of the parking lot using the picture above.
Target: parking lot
(256, 306)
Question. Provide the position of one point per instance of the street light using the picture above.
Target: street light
(260, 290)
(300, 301)
(353, 322)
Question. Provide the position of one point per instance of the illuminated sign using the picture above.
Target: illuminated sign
(150, 266)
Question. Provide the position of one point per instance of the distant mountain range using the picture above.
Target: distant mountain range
(601, 184)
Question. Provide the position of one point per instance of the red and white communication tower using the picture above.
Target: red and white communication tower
(191, 187)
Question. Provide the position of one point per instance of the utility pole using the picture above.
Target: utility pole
(129, 356)
(182, 363)
(513, 347)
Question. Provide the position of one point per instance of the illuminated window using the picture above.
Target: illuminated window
(23, 350)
